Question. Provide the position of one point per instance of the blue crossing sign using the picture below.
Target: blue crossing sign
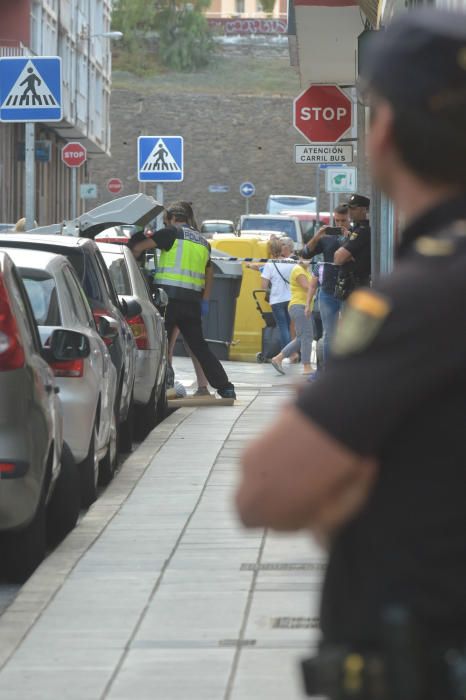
(30, 89)
(247, 189)
(160, 159)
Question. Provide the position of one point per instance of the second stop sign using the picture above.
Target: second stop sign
(74, 154)
(323, 113)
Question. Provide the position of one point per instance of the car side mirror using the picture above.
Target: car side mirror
(131, 307)
(67, 345)
(107, 327)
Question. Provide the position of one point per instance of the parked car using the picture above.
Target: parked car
(287, 225)
(39, 483)
(278, 203)
(4, 228)
(88, 386)
(150, 394)
(108, 312)
(211, 226)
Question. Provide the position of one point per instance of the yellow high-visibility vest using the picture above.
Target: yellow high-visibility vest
(184, 265)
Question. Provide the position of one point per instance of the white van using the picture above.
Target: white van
(278, 203)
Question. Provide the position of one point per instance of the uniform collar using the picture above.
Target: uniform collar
(432, 221)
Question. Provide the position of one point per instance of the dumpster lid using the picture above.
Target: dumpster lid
(227, 267)
(134, 210)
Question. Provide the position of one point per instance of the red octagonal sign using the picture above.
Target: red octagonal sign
(114, 185)
(323, 113)
(74, 154)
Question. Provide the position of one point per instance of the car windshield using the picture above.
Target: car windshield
(286, 226)
(42, 293)
(118, 272)
(217, 228)
(278, 204)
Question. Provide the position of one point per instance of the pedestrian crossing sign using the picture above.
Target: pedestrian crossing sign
(30, 89)
(160, 159)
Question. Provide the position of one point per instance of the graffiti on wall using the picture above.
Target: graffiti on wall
(249, 26)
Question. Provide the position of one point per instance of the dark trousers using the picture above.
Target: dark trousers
(186, 315)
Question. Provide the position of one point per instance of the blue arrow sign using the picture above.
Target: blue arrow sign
(160, 159)
(30, 89)
(247, 189)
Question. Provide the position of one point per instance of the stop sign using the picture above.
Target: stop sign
(74, 154)
(114, 185)
(323, 113)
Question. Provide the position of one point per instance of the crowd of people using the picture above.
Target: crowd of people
(335, 262)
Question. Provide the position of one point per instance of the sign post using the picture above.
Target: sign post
(74, 154)
(30, 91)
(30, 174)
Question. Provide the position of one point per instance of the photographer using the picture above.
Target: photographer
(326, 242)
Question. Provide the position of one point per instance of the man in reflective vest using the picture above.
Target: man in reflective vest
(186, 274)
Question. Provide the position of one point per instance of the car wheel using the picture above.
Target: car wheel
(108, 465)
(88, 474)
(64, 506)
(146, 417)
(126, 430)
(162, 403)
(22, 551)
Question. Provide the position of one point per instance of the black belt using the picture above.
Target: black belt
(420, 671)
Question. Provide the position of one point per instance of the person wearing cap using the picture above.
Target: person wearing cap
(371, 456)
(185, 272)
(354, 256)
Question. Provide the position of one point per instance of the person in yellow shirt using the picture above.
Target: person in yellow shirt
(300, 313)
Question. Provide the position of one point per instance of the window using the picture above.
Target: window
(78, 290)
(239, 6)
(119, 274)
(42, 293)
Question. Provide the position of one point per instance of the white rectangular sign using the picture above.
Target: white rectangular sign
(341, 180)
(88, 191)
(323, 153)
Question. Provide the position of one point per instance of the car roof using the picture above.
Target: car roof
(217, 221)
(44, 241)
(267, 216)
(291, 196)
(116, 248)
(35, 259)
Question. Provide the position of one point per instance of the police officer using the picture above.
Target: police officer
(354, 257)
(371, 457)
(185, 272)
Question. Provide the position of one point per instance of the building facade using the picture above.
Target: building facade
(73, 30)
(245, 9)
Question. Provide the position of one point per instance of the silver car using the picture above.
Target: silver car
(88, 386)
(39, 487)
(149, 331)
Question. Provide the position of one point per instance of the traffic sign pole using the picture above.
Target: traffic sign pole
(159, 197)
(74, 186)
(30, 174)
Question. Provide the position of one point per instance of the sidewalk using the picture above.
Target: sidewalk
(159, 593)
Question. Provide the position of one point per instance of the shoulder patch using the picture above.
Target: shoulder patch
(354, 235)
(362, 319)
(435, 247)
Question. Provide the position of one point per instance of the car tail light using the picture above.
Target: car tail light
(11, 349)
(97, 313)
(139, 329)
(7, 467)
(68, 368)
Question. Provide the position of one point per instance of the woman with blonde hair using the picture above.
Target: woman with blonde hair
(300, 312)
(276, 277)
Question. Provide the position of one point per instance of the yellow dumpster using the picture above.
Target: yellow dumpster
(247, 335)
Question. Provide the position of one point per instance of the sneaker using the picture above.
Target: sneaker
(227, 393)
(313, 376)
(202, 391)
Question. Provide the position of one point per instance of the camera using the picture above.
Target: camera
(333, 231)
